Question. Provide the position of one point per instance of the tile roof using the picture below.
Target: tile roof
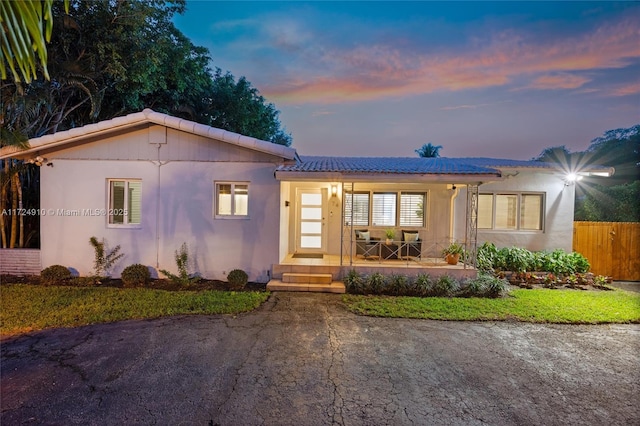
(417, 165)
(387, 165)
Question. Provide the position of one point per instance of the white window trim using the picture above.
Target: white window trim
(543, 213)
(215, 200)
(126, 204)
(398, 193)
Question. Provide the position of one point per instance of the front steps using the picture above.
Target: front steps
(302, 281)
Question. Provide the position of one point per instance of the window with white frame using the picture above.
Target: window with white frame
(385, 208)
(511, 211)
(356, 208)
(125, 201)
(412, 209)
(232, 199)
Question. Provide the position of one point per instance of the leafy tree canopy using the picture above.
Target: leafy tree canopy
(613, 199)
(110, 58)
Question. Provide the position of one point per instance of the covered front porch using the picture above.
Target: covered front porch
(355, 215)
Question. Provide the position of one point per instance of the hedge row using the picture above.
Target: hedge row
(424, 285)
(516, 259)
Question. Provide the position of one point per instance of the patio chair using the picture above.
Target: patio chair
(366, 245)
(411, 244)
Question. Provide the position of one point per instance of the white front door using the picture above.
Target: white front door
(310, 223)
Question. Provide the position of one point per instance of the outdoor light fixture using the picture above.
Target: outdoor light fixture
(38, 161)
(334, 190)
(572, 178)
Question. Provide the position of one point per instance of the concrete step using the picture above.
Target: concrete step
(332, 287)
(302, 278)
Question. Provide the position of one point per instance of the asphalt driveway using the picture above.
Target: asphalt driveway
(302, 359)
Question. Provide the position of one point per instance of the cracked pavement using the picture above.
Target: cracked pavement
(302, 359)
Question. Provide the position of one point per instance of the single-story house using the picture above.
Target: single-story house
(150, 182)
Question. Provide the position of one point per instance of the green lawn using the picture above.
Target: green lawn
(540, 305)
(28, 307)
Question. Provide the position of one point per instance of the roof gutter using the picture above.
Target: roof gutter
(50, 142)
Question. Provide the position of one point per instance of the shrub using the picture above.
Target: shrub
(135, 275)
(494, 286)
(444, 286)
(473, 288)
(485, 256)
(398, 285)
(104, 260)
(54, 274)
(423, 285)
(521, 260)
(182, 262)
(354, 282)
(518, 259)
(580, 263)
(376, 283)
(237, 279)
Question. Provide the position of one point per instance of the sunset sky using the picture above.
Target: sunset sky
(493, 79)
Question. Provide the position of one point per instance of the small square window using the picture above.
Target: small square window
(232, 199)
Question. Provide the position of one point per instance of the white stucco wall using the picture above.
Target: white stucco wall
(177, 207)
(558, 217)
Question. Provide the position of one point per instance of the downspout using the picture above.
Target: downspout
(159, 164)
(456, 190)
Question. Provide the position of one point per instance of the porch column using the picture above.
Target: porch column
(471, 232)
(346, 236)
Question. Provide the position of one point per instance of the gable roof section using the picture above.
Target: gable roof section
(61, 139)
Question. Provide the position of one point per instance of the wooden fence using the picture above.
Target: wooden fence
(612, 248)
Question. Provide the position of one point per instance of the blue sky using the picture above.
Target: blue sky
(494, 79)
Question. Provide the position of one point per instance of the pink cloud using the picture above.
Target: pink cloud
(558, 81)
(629, 89)
(382, 71)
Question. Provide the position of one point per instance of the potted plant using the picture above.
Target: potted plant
(390, 233)
(452, 253)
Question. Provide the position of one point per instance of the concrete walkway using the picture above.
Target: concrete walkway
(627, 285)
(302, 359)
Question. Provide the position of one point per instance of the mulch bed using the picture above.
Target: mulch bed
(158, 284)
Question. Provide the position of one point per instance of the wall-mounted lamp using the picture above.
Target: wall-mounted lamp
(38, 161)
(572, 178)
(334, 190)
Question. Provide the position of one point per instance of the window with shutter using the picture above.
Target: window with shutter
(356, 208)
(412, 208)
(384, 209)
(125, 202)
